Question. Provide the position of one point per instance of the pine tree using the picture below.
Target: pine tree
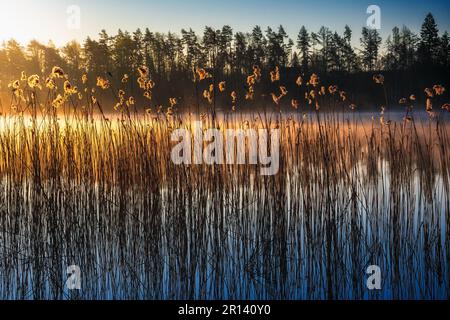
(258, 46)
(104, 54)
(370, 42)
(323, 39)
(72, 53)
(429, 41)
(444, 55)
(225, 44)
(350, 59)
(240, 58)
(295, 61)
(304, 45)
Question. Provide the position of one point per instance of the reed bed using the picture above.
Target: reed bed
(83, 187)
(102, 193)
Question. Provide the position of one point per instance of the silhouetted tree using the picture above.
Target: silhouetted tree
(429, 41)
(172, 59)
(73, 57)
(444, 53)
(350, 58)
(122, 54)
(194, 53)
(138, 49)
(17, 62)
(295, 61)
(335, 52)
(225, 48)
(401, 49)
(370, 42)
(304, 45)
(277, 48)
(258, 46)
(242, 59)
(97, 54)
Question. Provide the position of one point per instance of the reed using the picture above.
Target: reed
(82, 186)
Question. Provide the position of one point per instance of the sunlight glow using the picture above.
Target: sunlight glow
(25, 20)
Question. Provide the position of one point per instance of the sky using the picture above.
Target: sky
(46, 20)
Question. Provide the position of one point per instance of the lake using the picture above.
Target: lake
(351, 192)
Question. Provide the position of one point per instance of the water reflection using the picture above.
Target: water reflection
(349, 194)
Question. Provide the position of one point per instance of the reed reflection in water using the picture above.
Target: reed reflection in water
(105, 195)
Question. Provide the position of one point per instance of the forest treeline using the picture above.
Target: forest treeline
(410, 61)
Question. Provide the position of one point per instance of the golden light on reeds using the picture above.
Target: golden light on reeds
(379, 79)
(249, 95)
(207, 94)
(143, 72)
(33, 81)
(150, 84)
(14, 85)
(332, 89)
(429, 105)
(103, 83)
(50, 83)
(173, 102)
(257, 72)
(58, 101)
(148, 95)
(222, 86)
(251, 80)
(202, 74)
(67, 87)
(142, 82)
(57, 72)
(314, 80)
(275, 74)
(233, 96)
(322, 91)
(130, 101)
(275, 98)
(115, 162)
(439, 90)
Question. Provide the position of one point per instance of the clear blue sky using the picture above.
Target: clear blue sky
(47, 19)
